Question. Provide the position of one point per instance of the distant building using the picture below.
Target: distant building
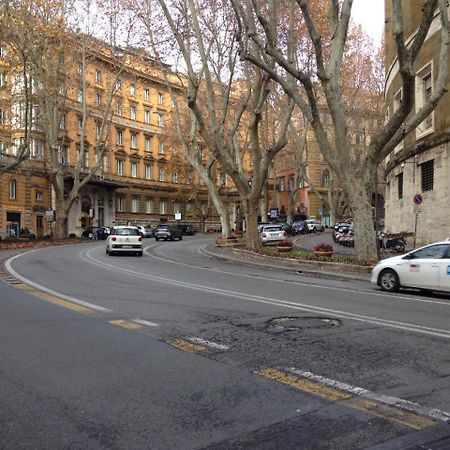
(420, 164)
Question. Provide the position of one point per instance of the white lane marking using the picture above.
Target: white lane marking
(145, 322)
(273, 301)
(47, 290)
(208, 343)
(300, 283)
(361, 392)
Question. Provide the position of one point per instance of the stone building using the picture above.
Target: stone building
(137, 182)
(419, 167)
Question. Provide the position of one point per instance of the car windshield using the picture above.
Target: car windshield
(127, 232)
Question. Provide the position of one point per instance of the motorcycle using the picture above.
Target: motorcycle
(389, 241)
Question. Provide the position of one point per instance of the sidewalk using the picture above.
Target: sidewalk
(317, 269)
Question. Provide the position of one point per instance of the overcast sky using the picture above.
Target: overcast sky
(370, 14)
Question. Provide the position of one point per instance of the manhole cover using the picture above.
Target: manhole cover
(290, 323)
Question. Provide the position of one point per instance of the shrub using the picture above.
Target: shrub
(72, 236)
(31, 236)
(322, 247)
(285, 243)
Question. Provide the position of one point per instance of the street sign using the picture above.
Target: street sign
(417, 199)
(417, 209)
(274, 213)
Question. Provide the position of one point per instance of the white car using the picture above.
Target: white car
(124, 239)
(314, 225)
(427, 268)
(271, 234)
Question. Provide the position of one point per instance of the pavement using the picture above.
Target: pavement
(317, 269)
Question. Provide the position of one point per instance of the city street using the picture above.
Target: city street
(182, 350)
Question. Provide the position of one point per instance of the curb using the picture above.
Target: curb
(301, 268)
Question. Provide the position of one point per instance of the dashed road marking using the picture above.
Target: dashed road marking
(417, 419)
(129, 325)
(146, 323)
(187, 346)
(210, 344)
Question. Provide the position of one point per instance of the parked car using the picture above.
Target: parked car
(314, 225)
(261, 225)
(289, 229)
(341, 229)
(271, 234)
(146, 231)
(300, 227)
(124, 239)
(188, 229)
(427, 268)
(95, 233)
(168, 232)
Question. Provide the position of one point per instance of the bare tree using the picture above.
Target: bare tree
(355, 169)
(227, 99)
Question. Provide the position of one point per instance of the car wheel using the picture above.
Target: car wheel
(181, 238)
(107, 251)
(156, 239)
(139, 253)
(389, 281)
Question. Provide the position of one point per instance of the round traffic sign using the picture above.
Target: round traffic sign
(417, 199)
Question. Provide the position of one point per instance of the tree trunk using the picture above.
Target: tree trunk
(291, 206)
(61, 221)
(222, 211)
(365, 239)
(250, 205)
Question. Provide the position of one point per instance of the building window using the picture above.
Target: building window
(120, 204)
(146, 94)
(161, 147)
(148, 171)
(63, 154)
(3, 79)
(98, 76)
(3, 148)
(119, 137)
(83, 157)
(398, 98)
(3, 51)
(175, 177)
(148, 144)
(223, 179)
(133, 90)
(98, 131)
(424, 89)
(161, 175)
(160, 120)
(176, 207)
(3, 117)
(160, 98)
(148, 206)
(134, 205)
(39, 196)
(147, 116)
(118, 85)
(98, 99)
(326, 178)
(134, 169)
(36, 149)
(133, 112)
(400, 185)
(120, 166)
(162, 207)
(427, 171)
(62, 122)
(12, 189)
(119, 107)
(133, 141)
(80, 95)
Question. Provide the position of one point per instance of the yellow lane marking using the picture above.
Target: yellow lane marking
(304, 385)
(126, 324)
(58, 301)
(411, 420)
(187, 346)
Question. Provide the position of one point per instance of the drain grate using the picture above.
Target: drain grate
(294, 323)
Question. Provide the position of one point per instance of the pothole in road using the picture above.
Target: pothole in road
(294, 323)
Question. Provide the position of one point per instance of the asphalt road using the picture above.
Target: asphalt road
(179, 350)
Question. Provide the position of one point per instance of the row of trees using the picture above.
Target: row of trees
(257, 75)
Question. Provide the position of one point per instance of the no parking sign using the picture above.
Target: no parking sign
(418, 199)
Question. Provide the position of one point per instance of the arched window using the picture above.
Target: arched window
(326, 178)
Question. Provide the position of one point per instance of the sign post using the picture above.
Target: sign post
(417, 201)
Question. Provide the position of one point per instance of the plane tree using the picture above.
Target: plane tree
(259, 32)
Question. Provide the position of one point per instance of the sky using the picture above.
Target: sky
(370, 14)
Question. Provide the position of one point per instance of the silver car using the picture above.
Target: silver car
(271, 234)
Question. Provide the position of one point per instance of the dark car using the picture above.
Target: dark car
(95, 233)
(289, 229)
(300, 227)
(168, 232)
(188, 229)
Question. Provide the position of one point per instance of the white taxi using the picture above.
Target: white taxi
(427, 268)
(124, 239)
